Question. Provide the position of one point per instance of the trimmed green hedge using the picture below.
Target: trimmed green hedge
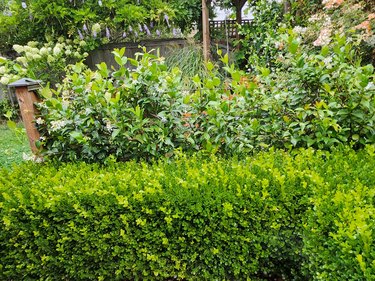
(288, 216)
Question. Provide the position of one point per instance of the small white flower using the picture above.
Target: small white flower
(370, 86)
(27, 157)
(65, 103)
(39, 121)
(327, 60)
(300, 29)
(2, 69)
(38, 159)
(109, 126)
(57, 125)
(23, 4)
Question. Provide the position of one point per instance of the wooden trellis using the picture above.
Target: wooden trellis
(223, 26)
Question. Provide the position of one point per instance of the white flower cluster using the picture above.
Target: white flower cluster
(300, 29)
(33, 52)
(325, 33)
(57, 125)
(52, 51)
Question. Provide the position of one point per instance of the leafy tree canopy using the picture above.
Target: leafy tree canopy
(25, 20)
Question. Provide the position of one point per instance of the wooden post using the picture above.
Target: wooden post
(206, 31)
(26, 99)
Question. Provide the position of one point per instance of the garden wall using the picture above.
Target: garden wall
(104, 53)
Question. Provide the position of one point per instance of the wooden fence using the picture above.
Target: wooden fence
(104, 53)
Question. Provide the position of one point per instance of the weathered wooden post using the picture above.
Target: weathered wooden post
(26, 97)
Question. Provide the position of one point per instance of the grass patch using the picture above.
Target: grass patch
(12, 146)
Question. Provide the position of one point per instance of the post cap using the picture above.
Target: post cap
(24, 82)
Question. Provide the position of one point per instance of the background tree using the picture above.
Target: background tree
(22, 21)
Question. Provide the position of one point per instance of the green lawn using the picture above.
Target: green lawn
(12, 146)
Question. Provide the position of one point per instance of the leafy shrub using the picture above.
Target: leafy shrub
(314, 100)
(127, 113)
(259, 218)
(319, 100)
(339, 228)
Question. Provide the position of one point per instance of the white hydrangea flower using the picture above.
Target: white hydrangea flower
(27, 49)
(68, 52)
(4, 80)
(29, 56)
(43, 51)
(50, 59)
(32, 44)
(56, 50)
(22, 60)
(2, 69)
(36, 57)
(34, 51)
(82, 43)
(95, 28)
(18, 48)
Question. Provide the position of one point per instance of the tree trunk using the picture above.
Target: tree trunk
(205, 31)
(239, 5)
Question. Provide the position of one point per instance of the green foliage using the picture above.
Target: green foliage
(258, 42)
(190, 62)
(319, 100)
(13, 145)
(126, 113)
(7, 110)
(339, 236)
(192, 218)
(315, 100)
(97, 21)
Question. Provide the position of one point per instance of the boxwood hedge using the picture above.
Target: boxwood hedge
(302, 215)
